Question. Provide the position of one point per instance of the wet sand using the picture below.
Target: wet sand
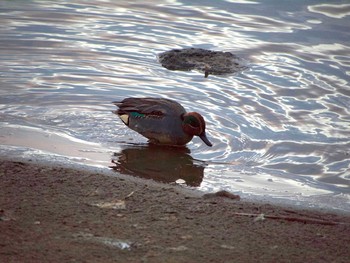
(58, 214)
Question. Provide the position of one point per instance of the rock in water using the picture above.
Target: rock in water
(207, 61)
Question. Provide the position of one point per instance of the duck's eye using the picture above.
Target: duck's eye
(192, 121)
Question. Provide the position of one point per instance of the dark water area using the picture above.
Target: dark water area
(280, 128)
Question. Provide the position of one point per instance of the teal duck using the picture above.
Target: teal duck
(162, 121)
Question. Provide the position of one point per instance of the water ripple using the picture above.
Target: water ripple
(285, 119)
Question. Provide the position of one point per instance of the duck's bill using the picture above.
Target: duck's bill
(204, 138)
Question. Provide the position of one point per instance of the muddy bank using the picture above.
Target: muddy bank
(55, 214)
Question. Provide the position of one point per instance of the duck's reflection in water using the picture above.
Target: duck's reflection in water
(163, 164)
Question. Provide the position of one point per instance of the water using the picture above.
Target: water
(280, 129)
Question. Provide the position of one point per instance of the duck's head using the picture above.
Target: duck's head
(193, 124)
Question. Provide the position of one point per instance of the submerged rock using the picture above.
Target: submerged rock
(207, 61)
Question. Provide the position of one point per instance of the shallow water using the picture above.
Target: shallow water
(280, 129)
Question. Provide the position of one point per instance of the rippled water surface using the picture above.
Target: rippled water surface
(280, 128)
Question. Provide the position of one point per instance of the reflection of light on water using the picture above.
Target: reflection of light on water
(330, 10)
(286, 117)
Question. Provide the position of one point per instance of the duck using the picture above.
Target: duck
(162, 121)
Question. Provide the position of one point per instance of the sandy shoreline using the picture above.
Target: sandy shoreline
(57, 214)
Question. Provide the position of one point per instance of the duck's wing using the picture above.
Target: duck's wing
(157, 107)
